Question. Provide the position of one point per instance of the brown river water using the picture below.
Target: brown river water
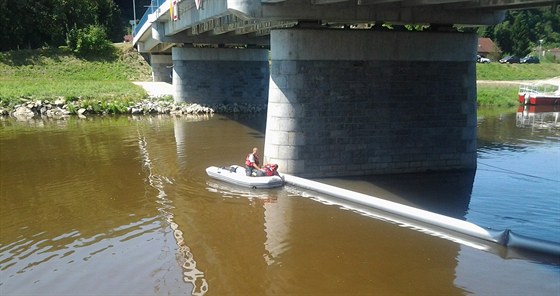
(123, 206)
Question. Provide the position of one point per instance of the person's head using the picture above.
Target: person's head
(255, 150)
(275, 166)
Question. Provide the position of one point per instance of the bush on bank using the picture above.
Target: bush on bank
(89, 41)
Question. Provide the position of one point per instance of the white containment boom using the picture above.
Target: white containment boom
(505, 237)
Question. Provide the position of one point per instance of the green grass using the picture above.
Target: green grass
(497, 71)
(57, 73)
(504, 94)
(45, 88)
(500, 95)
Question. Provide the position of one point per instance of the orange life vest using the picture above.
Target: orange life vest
(248, 160)
(269, 170)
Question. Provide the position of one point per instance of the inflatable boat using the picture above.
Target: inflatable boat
(236, 175)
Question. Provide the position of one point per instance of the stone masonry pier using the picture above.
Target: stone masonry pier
(358, 102)
(220, 75)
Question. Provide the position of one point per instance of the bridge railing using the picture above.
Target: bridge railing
(154, 6)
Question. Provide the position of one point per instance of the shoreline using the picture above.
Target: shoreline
(159, 101)
(553, 80)
(59, 109)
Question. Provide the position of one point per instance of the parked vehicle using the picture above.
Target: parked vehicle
(481, 59)
(510, 60)
(530, 60)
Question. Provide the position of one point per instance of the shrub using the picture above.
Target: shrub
(88, 41)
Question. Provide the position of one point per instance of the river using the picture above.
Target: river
(122, 206)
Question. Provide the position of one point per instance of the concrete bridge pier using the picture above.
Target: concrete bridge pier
(220, 75)
(162, 67)
(360, 102)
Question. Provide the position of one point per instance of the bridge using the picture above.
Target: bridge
(349, 91)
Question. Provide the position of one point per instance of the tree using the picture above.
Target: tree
(522, 30)
(503, 36)
(36, 23)
(92, 39)
(549, 28)
(20, 30)
(521, 44)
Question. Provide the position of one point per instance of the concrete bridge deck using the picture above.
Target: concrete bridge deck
(235, 22)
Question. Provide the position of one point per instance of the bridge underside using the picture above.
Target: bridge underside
(249, 22)
(243, 22)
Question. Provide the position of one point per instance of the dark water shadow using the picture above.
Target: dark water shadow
(257, 122)
(447, 193)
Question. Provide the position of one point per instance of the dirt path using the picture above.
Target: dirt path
(554, 80)
(156, 89)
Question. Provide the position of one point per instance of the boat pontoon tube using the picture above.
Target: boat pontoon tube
(504, 237)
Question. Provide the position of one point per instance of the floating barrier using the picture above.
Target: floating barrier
(504, 238)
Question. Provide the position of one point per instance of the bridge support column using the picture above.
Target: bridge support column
(360, 102)
(220, 75)
(161, 67)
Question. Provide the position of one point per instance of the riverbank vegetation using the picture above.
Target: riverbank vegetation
(48, 74)
(508, 72)
(497, 95)
(525, 31)
(500, 87)
(104, 83)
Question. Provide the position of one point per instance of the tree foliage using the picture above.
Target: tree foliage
(523, 30)
(37, 23)
(85, 42)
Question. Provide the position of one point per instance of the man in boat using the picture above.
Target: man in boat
(268, 170)
(252, 162)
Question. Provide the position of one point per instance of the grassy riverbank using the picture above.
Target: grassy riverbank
(501, 92)
(497, 95)
(106, 82)
(50, 74)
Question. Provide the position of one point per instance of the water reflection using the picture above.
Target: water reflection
(180, 128)
(185, 258)
(277, 214)
(232, 191)
(126, 202)
(72, 201)
(310, 249)
(538, 117)
(446, 193)
(518, 176)
(507, 278)
(393, 218)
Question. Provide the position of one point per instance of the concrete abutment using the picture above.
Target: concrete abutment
(360, 102)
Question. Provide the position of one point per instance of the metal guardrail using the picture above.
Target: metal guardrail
(154, 5)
